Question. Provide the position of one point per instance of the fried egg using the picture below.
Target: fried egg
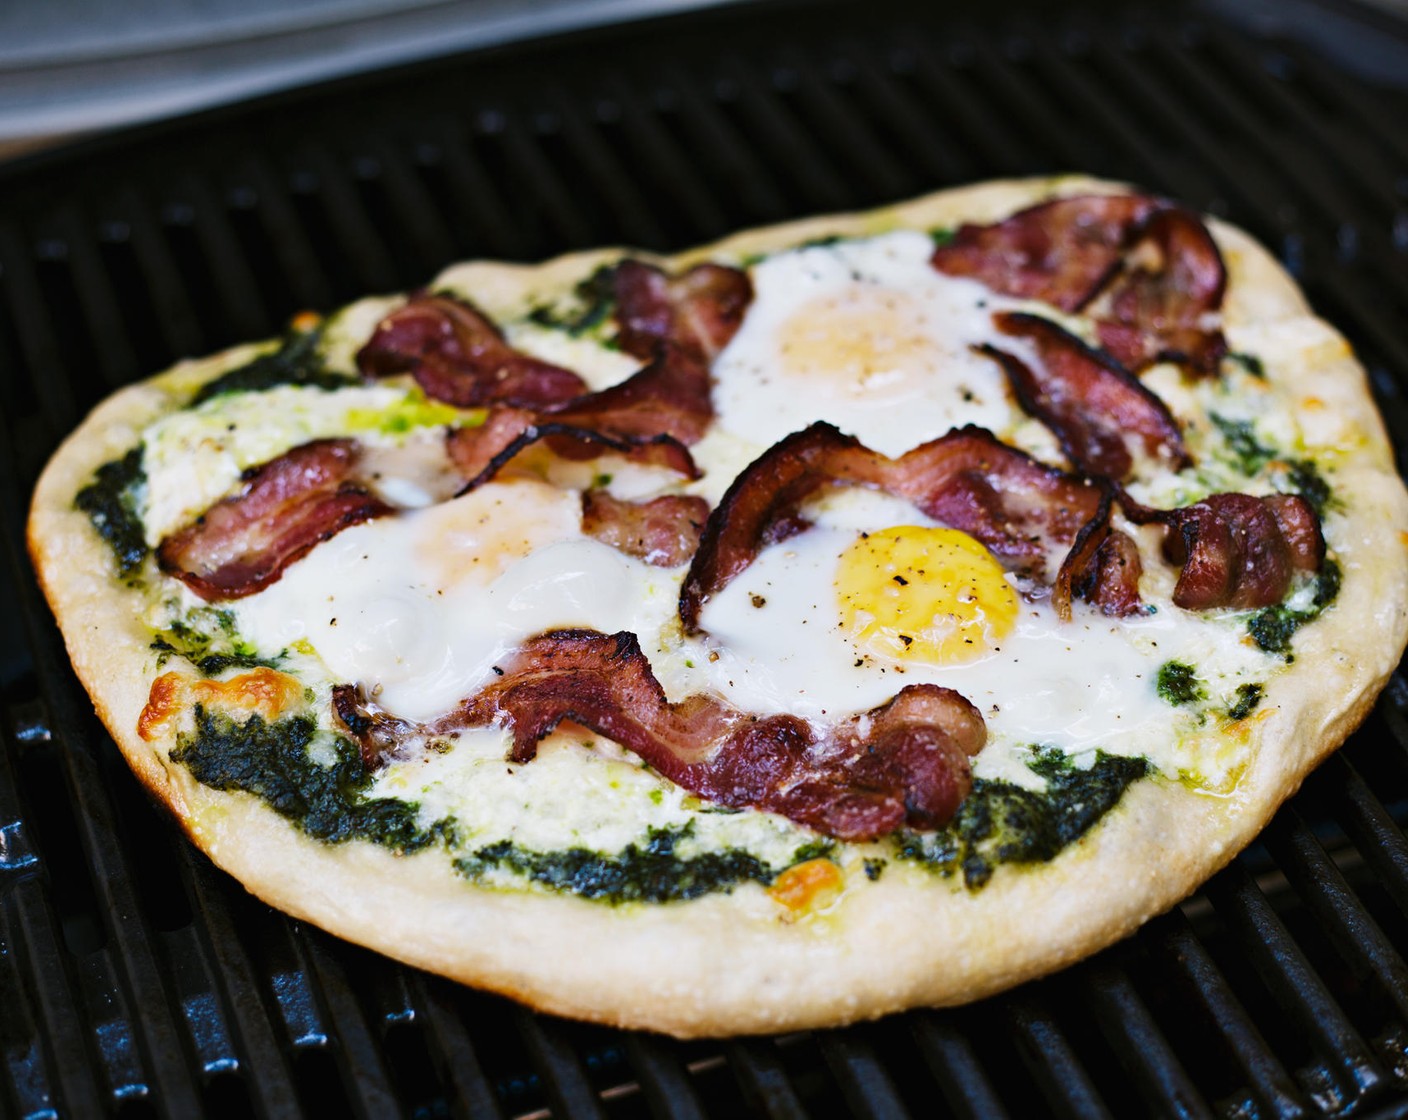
(864, 334)
(417, 608)
(821, 626)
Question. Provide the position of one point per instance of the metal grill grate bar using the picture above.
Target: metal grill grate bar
(1374, 832)
(1354, 932)
(1266, 1076)
(764, 1080)
(664, 1079)
(1047, 1052)
(957, 1068)
(568, 1089)
(1139, 1043)
(38, 347)
(868, 1089)
(1294, 983)
(238, 987)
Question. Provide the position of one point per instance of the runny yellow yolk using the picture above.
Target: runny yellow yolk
(860, 343)
(917, 594)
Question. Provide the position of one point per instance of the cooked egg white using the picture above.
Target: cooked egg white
(785, 639)
(864, 334)
(417, 608)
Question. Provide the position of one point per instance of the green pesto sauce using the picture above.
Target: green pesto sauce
(1178, 684)
(110, 501)
(1245, 449)
(1249, 362)
(297, 361)
(1306, 480)
(272, 761)
(1251, 455)
(329, 803)
(1001, 822)
(595, 301)
(1248, 697)
(1273, 627)
(209, 641)
(652, 871)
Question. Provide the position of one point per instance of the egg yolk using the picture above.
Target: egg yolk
(859, 342)
(918, 594)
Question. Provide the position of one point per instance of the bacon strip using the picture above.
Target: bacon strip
(458, 356)
(904, 763)
(664, 531)
(699, 310)
(1060, 252)
(670, 396)
(286, 507)
(1236, 550)
(676, 323)
(1093, 405)
(1149, 272)
(1162, 306)
(1017, 507)
(481, 453)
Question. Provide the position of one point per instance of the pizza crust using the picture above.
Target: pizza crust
(738, 962)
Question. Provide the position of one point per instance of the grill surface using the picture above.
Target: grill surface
(135, 979)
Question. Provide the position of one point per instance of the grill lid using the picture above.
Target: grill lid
(136, 979)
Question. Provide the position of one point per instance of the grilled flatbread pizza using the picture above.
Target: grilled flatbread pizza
(863, 613)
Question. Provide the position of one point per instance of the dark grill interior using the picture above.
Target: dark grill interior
(137, 980)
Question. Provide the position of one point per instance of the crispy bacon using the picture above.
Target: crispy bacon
(481, 453)
(1236, 550)
(1148, 271)
(1060, 252)
(648, 418)
(1106, 575)
(286, 507)
(699, 310)
(664, 531)
(458, 356)
(1019, 508)
(1103, 567)
(1093, 405)
(670, 396)
(1162, 306)
(904, 763)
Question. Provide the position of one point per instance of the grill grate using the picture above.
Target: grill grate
(137, 980)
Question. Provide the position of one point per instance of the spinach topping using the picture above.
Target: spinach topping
(649, 872)
(271, 761)
(596, 299)
(1272, 628)
(1001, 822)
(297, 361)
(942, 236)
(110, 501)
(1249, 362)
(1248, 452)
(211, 653)
(1307, 481)
(1178, 684)
(1248, 697)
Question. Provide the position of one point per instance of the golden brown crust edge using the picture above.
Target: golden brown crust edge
(733, 964)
